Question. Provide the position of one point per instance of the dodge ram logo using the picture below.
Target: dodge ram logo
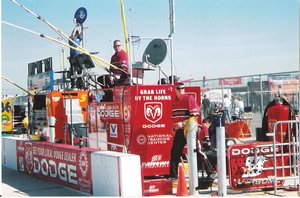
(153, 111)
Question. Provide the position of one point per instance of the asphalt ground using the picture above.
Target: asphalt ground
(16, 184)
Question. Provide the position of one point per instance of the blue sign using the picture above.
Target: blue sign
(80, 15)
(41, 81)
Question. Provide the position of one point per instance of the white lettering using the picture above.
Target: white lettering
(156, 164)
(137, 98)
(263, 181)
(72, 174)
(145, 126)
(162, 97)
(52, 169)
(147, 97)
(257, 150)
(48, 153)
(62, 171)
(58, 155)
(34, 150)
(145, 91)
(44, 166)
(36, 165)
(109, 113)
(160, 91)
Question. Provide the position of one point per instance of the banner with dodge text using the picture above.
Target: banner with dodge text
(63, 164)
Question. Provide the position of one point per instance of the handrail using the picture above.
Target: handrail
(273, 135)
(110, 143)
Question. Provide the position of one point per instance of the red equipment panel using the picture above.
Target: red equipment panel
(238, 129)
(139, 117)
(157, 187)
(276, 113)
(251, 165)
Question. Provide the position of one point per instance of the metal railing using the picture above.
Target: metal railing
(286, 152)
(124, 149)
(255, 90)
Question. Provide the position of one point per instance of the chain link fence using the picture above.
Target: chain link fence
(256, 91)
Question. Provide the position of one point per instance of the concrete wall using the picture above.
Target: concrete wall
(116, 174)
(113, 173)
(9, 152)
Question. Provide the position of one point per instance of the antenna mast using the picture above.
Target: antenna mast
(172, 17)
(172, 31)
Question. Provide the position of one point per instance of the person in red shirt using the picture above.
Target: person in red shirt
(184, 107)
(203, 136)
(119, 59)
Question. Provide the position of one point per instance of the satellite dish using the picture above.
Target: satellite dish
(155, 52)
(80, 15)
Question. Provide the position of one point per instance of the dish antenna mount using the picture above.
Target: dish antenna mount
(80, 15)
(155, 52)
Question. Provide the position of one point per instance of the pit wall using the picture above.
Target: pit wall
(99, 173)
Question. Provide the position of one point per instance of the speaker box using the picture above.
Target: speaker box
(85, 61)
(74, 62)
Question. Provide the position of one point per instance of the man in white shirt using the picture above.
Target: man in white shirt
(227, 105)
(241, 108)
(236, 106)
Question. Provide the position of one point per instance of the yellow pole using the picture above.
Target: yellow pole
(124, 27)
(16, 85)
(98, 60)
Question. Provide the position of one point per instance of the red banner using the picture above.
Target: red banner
(252, 165)
(231, 81)
(63, 164)
(151, 123)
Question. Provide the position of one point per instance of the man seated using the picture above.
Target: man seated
(120, 60)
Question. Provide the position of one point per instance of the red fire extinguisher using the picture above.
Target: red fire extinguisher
(278, 112)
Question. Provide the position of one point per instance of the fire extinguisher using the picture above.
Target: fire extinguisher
(277, 110)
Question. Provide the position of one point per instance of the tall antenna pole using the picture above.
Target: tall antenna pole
(172, 17)
(172, 31)
(131, 49)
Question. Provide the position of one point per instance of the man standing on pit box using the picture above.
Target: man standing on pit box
(184, 107)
